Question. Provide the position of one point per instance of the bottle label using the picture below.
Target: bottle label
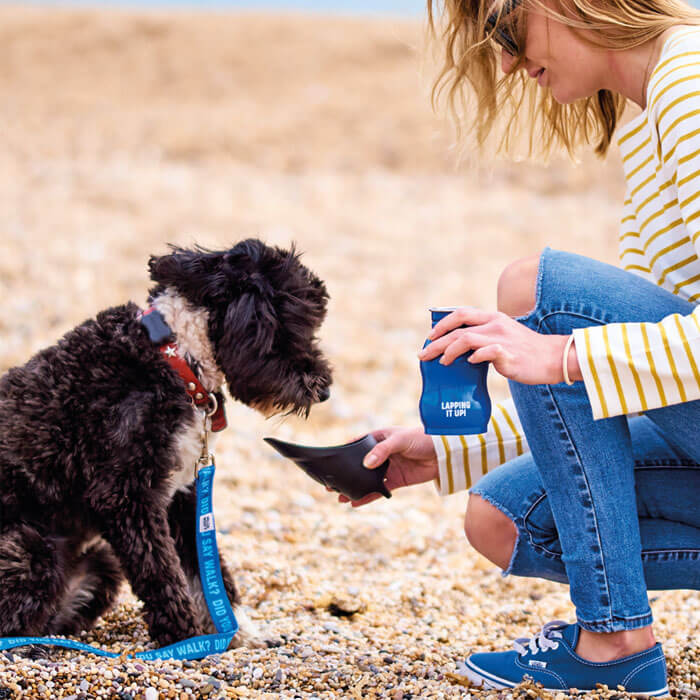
(455, 409)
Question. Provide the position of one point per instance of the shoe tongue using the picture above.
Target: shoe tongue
(570, 634)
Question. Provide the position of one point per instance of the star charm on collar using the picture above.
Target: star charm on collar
(170, 351)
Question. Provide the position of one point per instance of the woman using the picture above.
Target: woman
(600, 475)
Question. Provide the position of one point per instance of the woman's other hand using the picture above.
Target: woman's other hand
(411, 455)
(515, 351)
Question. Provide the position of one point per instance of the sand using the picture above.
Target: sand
(125, 131)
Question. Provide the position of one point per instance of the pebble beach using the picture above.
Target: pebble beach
(126, 130)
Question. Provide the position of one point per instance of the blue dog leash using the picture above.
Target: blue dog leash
(212, 585)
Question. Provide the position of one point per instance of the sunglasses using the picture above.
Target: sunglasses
(503, 35)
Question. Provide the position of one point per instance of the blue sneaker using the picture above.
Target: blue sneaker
(549, 659)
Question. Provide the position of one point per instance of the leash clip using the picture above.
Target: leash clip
(206, 458)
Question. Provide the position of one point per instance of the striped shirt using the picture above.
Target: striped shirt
(631, 367)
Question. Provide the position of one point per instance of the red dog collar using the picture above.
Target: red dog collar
(158, 330)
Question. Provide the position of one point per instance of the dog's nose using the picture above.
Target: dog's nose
(324, 394)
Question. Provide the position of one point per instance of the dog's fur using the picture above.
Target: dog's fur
(98, 438)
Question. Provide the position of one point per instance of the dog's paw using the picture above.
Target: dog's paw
(248, 634)
(34, 652)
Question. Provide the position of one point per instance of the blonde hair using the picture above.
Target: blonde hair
(471, 68)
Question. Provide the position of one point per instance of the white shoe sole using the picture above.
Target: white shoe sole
(488, 681)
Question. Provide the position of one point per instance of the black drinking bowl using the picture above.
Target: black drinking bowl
(338, 467)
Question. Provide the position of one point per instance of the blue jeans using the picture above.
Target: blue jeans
(610, 506)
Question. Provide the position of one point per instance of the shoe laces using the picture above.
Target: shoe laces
(542, 641)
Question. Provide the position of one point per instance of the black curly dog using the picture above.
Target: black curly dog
(98, 439)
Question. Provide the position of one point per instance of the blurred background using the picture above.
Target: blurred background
(400, 7)
(128, 126)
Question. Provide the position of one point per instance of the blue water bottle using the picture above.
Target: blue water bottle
(454, 399)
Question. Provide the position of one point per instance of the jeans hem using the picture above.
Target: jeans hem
(616, 624)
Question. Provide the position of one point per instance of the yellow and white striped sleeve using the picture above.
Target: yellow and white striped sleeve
(464, 459)
(631, 367)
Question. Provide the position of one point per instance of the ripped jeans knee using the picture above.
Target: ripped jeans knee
(515, 489)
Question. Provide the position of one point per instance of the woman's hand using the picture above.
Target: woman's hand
(411, 455)
(515, 351)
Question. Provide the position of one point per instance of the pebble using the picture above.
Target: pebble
(151, 694)
(213, 682)
(303, 500)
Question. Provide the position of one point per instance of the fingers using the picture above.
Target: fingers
(363, 501)
(382, 433)
(491, 353)
(438, 347)
(383, 450)
(464, 316)
(344, 499)
(454, 344)
(461, 340)
(459, 346)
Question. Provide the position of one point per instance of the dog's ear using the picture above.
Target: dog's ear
(191, 272)
(250, 320)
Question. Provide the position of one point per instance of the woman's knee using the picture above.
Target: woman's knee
(490, 531)
(516, 291)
